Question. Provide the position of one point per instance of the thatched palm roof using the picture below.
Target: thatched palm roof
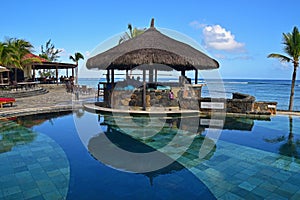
(149, 48)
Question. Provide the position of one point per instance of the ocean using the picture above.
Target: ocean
(262, 90)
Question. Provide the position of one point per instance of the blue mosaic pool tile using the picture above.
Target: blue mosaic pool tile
(218, 192)
(295, 179)
(282, 175)
(296, 196)
(213, 172)
(46, 186)
(52, 195)
(266, 185)
(242, 176)
(249, 171)
(247, 186)
(239, 191)
(31, 174)
(35, 192)
(225, 184)
(28, 185)
(291, 188)
(284, 193)
(230, 196)
(16, 196)
(11, 190)
(253, 196)
(261, 192)
(255, 181)
(276, 196)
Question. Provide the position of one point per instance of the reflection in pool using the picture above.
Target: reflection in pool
(251, 159)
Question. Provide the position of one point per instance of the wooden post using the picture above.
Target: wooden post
(107, 76)
(144, 89)
(16, 75)
(112, 75)
(155, 75)
(73, 72)
(183, 73)
(8, 78)
(33, 73)
(151, 75)
(56, 74)
(196, 76)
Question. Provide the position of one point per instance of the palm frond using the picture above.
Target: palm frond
(78, 56)
(72, 58)
(282, 58)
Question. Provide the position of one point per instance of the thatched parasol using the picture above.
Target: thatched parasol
(3, 69)
(152, 47)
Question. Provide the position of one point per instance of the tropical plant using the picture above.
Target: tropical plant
(132, 33)
(4, 54)
(16, 51)
(77, 56)
(49, 52)
(46, 73)
(291, 43)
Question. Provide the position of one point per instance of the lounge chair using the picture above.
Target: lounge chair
(6, 101)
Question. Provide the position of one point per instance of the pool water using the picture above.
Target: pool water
(43, 157)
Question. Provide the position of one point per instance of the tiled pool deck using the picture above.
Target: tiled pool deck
(37, 170)
(239, 172)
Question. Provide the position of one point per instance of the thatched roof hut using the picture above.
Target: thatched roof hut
(149, 48)
(151, 51)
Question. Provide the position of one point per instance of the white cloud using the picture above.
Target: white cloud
(220, 56)
(217, 37)
(197, 25)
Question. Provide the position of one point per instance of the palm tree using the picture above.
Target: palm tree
(18, 48)
(4, 54)
(132, 33)
(15, 51)
(49, 52)
(75, 59)
(291, 43)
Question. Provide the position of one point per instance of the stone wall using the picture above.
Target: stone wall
(184, 99)
(157, 98)
(265, 107)
(240, 103)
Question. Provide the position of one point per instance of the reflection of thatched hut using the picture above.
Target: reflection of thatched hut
(151, 51)
(124, 135)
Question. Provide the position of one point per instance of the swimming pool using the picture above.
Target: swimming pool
(43, 157)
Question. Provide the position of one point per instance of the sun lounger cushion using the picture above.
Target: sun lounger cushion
(6, 101)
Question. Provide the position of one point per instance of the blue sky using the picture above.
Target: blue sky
(238, 33)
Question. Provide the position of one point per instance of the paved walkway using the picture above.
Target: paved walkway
(57, 99)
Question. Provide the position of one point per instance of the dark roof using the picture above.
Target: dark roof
(152, 47)
(53, 65)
